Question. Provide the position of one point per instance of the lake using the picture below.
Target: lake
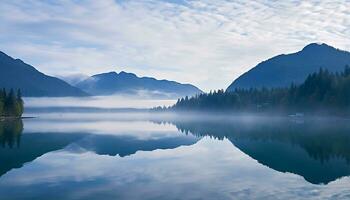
(91, 149)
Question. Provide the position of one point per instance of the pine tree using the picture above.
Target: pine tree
(19, 104)
(10, 104)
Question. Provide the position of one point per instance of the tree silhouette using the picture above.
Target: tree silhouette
(11, 105)
(322, 91)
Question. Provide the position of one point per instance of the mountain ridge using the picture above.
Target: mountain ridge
(16, 74)
(285, 69)
(110, 83)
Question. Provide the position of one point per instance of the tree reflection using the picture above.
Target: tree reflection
(318, 150)
(18, 148)
(10, 133)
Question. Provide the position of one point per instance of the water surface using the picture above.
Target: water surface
(140, 155)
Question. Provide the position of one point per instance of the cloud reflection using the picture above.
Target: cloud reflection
(212, 169)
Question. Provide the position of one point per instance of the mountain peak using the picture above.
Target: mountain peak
(127, 75)
(281, 71)
(15, 73)
(112, 73)
(317, 47)
(129, 83)
(115, 74)
(124, 73)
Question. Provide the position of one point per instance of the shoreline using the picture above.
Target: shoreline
(4, 118)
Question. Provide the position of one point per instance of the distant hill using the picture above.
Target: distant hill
(73, 79)
(130, 84)
(283, 70)
(16, 74)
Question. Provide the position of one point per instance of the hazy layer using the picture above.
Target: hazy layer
(97, 101)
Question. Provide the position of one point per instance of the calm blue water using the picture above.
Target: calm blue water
(144, 156)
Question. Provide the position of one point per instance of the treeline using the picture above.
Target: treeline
(322, 91)
(11, 104)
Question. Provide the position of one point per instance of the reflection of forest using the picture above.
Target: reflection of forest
(10, 132)
(17, 148)
(318, 150)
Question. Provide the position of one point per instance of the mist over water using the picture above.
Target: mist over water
(106, 153)
(98, 102)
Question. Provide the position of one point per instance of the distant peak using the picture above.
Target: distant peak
(112, 73)
(3, 55)
(317, 46)
(123, 73)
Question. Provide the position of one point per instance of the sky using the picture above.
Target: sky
(207, 43)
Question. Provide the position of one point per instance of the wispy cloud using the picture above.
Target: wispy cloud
(208, 43)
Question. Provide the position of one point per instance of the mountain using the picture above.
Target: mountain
(73, 79)
(121, 145)
(14, 73)
(17, 148)
(318, 153)
(282, 70)
(130, 84)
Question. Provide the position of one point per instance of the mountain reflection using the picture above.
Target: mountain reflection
(125, 145)
(17, 148)
(318, 150)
